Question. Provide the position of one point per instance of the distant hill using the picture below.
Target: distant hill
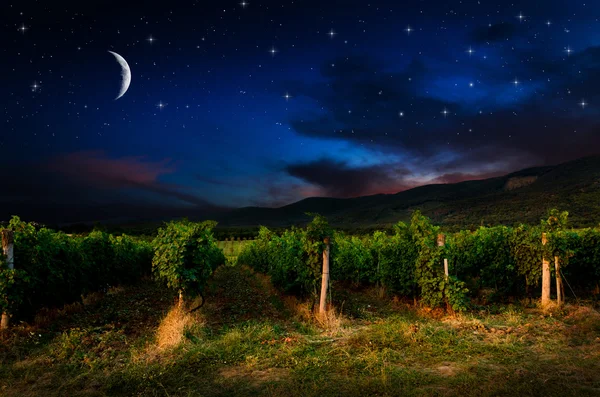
(520, 197)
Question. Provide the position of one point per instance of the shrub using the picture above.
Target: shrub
(483, 259)
(293, 260)
(52, 269)
(185, 255)
(396, 256)
(354, 260)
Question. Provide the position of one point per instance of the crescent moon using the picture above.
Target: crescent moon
(125, 74)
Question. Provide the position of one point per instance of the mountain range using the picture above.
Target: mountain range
(520, 197)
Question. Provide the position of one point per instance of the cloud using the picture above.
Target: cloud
(90, 185)
(456, 177)
(338, 179)
(96, 168)
(367, 105)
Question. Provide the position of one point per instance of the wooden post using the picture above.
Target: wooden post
(325, 278)
(559, 286)
(441, 241)
(180, 302)
(545, 277)
(8, 251)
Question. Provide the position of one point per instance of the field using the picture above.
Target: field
(251, 340)
(232, 248)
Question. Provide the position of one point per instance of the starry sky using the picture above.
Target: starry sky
(245, 103)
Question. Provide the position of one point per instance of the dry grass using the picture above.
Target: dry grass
(115, 290)
(300, 309)
(171, 328)
(582, 313)
(92, 298)
(169, 334)
(331, 320)
(46, 316)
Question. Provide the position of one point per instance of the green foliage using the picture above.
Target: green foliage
(354, 260)
(185, 255)
(559, 240)
(483, 259)
(381, 258)
(526, 250)
(294, 259)
(456, 293)
(52, 269)
(395, 256)
(289, 265)
(257, 253)
(12, 287)
(584, 264)
(428, 272)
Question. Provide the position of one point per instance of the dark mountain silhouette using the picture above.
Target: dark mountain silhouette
(519, 197)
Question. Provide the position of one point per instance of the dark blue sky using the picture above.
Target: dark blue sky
(265, 103)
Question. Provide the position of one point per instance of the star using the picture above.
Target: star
(568, 50)
(244, 3)
(521, 17)
(470, 51)
(471, 84)
(161, 105)
(408, 29)
(35, 86)
(287, 96)
(331, 33)
(23, 28)
(273, 51)
(516, 82)
(548, 23)
(445, 112)
(150, 39)
(401, 114)
(583, 104)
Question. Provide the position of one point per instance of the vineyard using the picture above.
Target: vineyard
(99, 314)
(491, 264)
(232, 247)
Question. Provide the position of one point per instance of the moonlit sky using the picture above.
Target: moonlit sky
(235, 104)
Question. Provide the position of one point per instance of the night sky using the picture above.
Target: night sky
(234, 104)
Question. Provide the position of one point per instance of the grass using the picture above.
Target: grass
(232, 248)
(250, 341)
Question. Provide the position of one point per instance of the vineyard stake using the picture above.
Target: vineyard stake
(8, 251)
(325, 279)
(559, 286)
(545, 277)
(441, 241)
(180, 300)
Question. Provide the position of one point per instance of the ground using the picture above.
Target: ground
(250, 340)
